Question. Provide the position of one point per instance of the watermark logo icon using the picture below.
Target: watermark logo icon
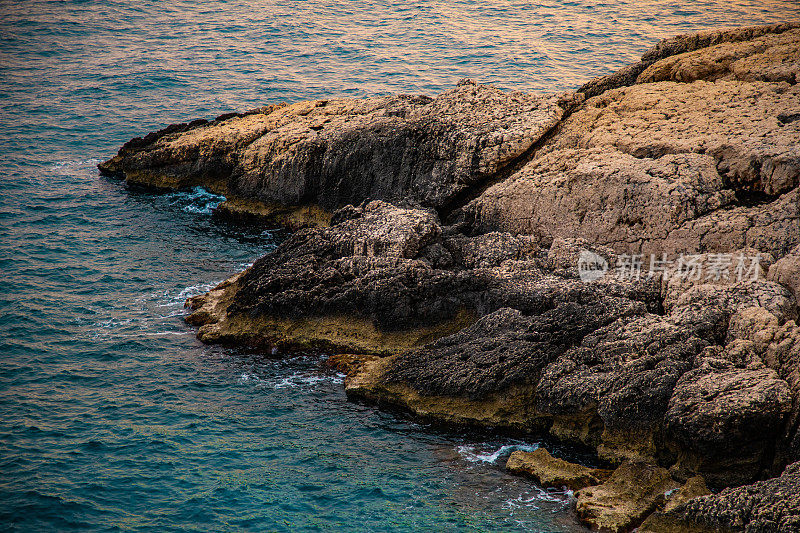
(591, 266)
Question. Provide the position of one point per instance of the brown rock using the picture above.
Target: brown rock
(347, 363)
(786, 271)
(771, 57)
(335, 152)
(662, 168)
(680, 44)
(661, 521)
(483, 316)
(632, 492)
(550, 471)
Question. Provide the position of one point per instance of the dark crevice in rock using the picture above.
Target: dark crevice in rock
(449, 211)
(622, 78)
(752, 198)
(787, 118)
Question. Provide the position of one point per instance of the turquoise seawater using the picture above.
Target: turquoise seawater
(112, 416)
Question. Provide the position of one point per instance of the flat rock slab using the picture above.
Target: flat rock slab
(550, 471)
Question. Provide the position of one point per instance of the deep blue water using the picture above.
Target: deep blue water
(112, 415)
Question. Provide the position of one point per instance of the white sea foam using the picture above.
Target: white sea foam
(171, 298)
(298, 379)
(533, 498)
(194, 290)
(304, 380)
(248, 377)
(113, 323)
(155, 334)
(477, 453)
(197, 200)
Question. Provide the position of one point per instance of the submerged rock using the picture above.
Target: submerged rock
(452, 265)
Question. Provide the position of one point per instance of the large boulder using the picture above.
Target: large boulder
(632, 492)
(766, 506)
(662, 168)
(728, 420)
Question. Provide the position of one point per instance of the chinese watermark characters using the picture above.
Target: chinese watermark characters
(692, 267)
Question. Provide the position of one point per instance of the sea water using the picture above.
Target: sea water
(113, 417)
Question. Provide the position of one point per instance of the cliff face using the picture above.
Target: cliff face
(458, 271)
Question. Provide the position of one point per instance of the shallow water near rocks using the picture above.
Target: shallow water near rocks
(112, 415)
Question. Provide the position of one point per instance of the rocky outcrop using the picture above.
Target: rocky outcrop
(632, 492)
(391, 276)
(616, 267)
(766, 506)
(662, 168)
(680, 45)
(786, 271)
(717, 407)
(772, 56)
(493, 330)
(277, 161)
(668, 166)
(550, 471)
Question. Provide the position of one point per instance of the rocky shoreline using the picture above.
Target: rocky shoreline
(441, 254)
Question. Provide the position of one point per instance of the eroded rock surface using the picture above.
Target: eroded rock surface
(680, 45)
(330, 153)
(786, 271)
(453, 284)
(662, 168)
(386, 270)
(668, 166)
(550, 471)
(632, 492)
(766, 506)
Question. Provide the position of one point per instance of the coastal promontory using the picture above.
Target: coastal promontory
(616, 267)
